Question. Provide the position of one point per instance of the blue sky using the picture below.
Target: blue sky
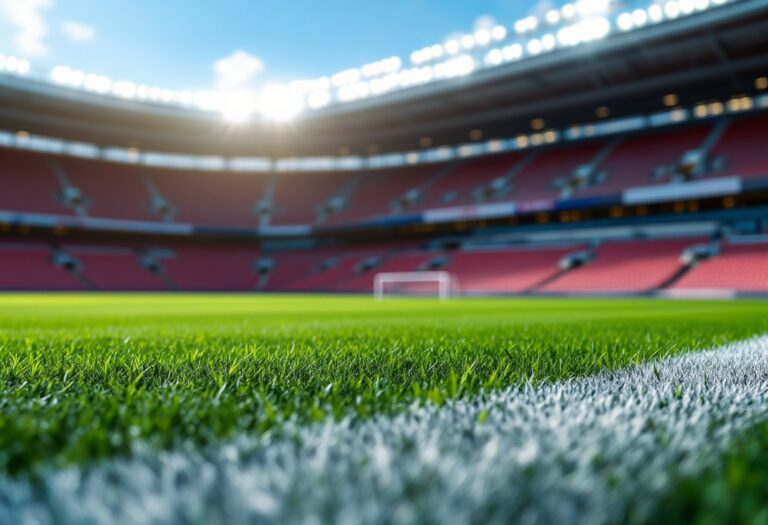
(175, 43)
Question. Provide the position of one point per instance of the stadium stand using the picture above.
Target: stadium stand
(210, 198)
(109, 189)
(212, 268)
(742, 148)
(625, 267)
(28, 183)
(505, 270)
(115, 268)
(31, 266)
(537, 180)
(384, 192)
(457, 187)
(738, 267)
(298, 197)
(630, 164)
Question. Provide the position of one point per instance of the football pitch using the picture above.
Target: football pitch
(327, 409)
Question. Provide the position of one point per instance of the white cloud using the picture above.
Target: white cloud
(78, 31)
(26, 16)
(237, 70)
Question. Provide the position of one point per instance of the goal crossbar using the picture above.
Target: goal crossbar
(444, 281)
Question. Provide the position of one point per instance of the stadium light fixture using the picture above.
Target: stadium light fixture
(512, 52)
(592, 7)
(625, 22)
(670, 100)
(534, 47)
(319, 99)
(761, 83)
(548, 42)
(655, 13)
(672, 9)
(552, 17)
(238, 106)
(452, 47)
(482, 37)
(494, 57)
(499, 33)
(639, 17)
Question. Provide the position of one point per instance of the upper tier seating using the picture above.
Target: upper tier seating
(32, 181)
(27, 183)
(211, 198)
(739, 267)
(29, 266)
(456, 187)
(743, 145)
(298, 196)
(535, 182)
(111, 190)
(625, 267)
(375, 192)
(633, 160)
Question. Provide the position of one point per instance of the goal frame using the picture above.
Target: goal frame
(444, 281)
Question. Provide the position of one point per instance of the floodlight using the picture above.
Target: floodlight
(512, 52)
(672, 9)
(124, 89)
(548, 42)
(467, 41)
(591, 7)
(97, 83)
(274, 102)
(552, 17)
(499, 33)
(568, 10)
(655, 13)
(494, 57)
(639, 17)
(10, 63)
(348, 76)
(437, 50)
(625, 22)
(482, 37)
(686, 6)
(22, 67)
(452, 47)
(534, 46)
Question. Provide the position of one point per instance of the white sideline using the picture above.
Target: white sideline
(552, 453)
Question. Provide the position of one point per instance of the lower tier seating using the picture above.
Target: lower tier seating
(505, 271)
(625, 267)
(739, 267)
(615, 267)
(30, 266)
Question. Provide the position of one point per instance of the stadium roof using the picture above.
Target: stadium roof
(627, 73)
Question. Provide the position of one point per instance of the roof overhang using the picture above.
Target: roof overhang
(710, 55)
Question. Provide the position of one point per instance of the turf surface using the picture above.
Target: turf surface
(86, 377)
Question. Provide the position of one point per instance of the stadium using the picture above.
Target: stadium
(516, 275)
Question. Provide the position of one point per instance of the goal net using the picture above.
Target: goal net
(440, 284)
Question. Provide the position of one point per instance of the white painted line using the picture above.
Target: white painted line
(587, 450)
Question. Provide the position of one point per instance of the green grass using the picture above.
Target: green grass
(86, 377)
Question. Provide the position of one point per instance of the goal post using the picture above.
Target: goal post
(442, 284)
